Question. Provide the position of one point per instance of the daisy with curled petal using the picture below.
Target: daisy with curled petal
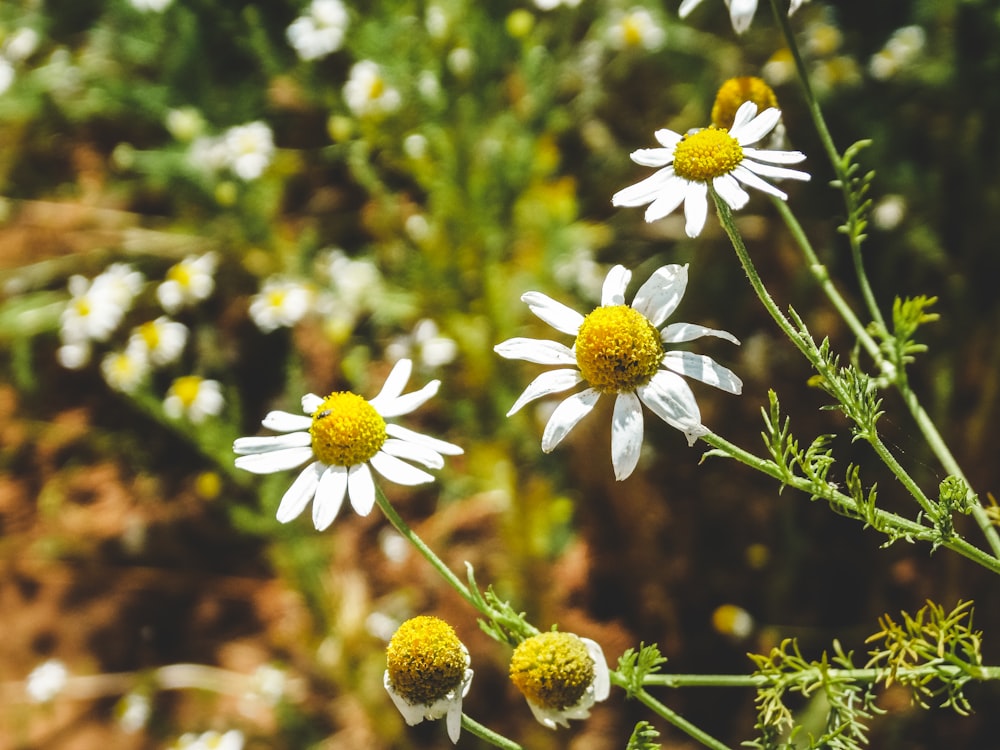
(343, 439)
(712, 157)
(619, 349)
(740, 11)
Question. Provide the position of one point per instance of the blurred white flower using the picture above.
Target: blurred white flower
(20, 45)
(889, 212)
(320, 30)
(425, 345)
(249, 149)
(553, 4)
(281, 303)
(269, 684)
(231, 740)
(635, 28)
(162, 339)
(902, 49)
(367, 92)
(133, 712)
(6, 74)
(187, 282)
(46, 681)
(185, 123)
(157, 6)
(193, 397)
(95, 310)
(125, 370)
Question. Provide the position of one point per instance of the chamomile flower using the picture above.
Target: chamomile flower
(635, 28)
(343, 439)
(427, 673)
(320, 30)
(367, 92)
(249, 149)
(740, 11)
(561, 675)
(281, 303)
(163, 339)
(619, 350)
(124, 370)
(714, 158)
(425, 344)
(193, 397)
(188, 282)
(46, 681)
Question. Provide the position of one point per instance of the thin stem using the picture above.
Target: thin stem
(488, 735)
(403, 528)
(811, 676)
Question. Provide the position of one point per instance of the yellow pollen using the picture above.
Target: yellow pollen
(707, 154)
(346, 430)
(150, 333)
(734, 92)
(617, 349)
(276, 297)
(186, 389)
(181, 274)
(632, 31)
(552, 670)
(425, 660)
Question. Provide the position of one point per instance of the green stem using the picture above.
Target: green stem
(812, 676)
(836, 160)
(488, 735)
(900, 473)
(671, 716)
(403, 528)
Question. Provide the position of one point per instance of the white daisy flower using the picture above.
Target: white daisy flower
(188, 282)
(344, 438)
(367, 92)
(281, 303)
(635, 28)
(561, 675)
(425, 344)
(250, 149)
(428, 673)
(740, 11)
(193, 397)
(46, 681)
(163, 340)
(711, 157)
(125, 370)
(320, 31)
(619, 349)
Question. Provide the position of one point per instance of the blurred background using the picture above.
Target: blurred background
(313, 191)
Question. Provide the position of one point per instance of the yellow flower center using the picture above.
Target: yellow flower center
(734, 92)
(180, 273)
(552, 670)
(346, 430)
(425, 660)
(150, 334)
(707, 154)
(617, 349)
(186, 388)
(632, 30)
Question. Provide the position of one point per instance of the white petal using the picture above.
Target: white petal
(282, 421)
(271, 443)
(668, 138)
(757, 128)
(564, 319)
(413, 714)
(695, 208)
(671, 399)
(329, 496)
(453, 722)
(645, 190)
(773, 157)
(675, 333)
(398, 471)
(269, 463)
(615, 283)
(552, 381)
(361, 488)
(741, 14)
(448, 449)
(602, 678)
(778, 173)
(670, 197)
(539, 351)
(310, 403)
(296, 497)
(686, 7)
(396, 381)
(565, 417)
(406, 403)
(703, 368)
(413, 452)
(626, 435)
(730, 191)
(652, 157)
(660, 294)
(748, 178)
(746, 112)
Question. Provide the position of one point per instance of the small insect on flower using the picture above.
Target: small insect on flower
(428, 673)
(561, 675)
(344, 438)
